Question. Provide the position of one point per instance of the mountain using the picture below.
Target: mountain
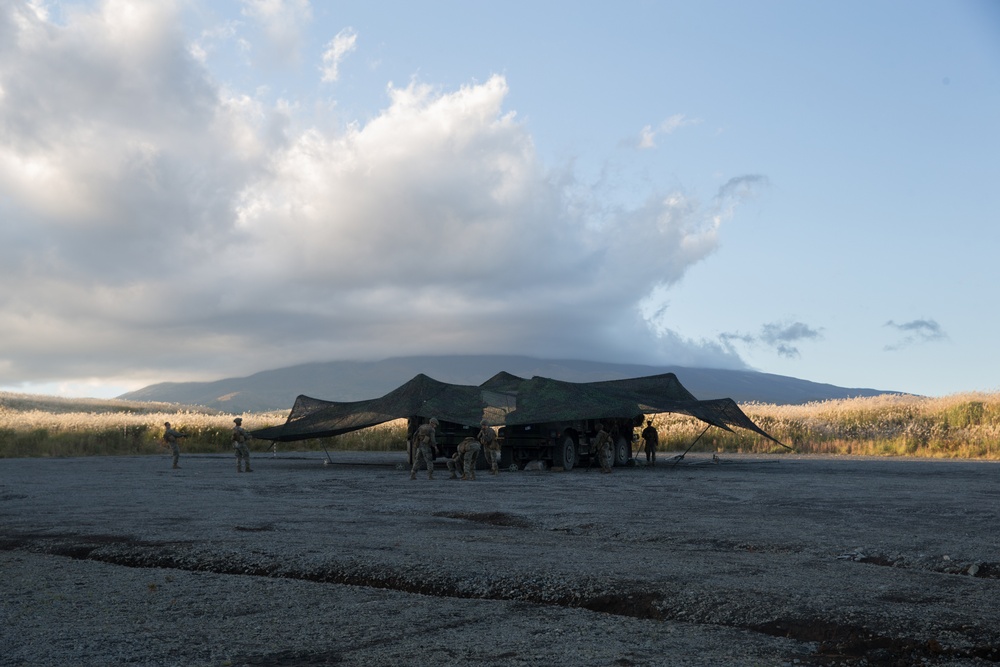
(359, 380)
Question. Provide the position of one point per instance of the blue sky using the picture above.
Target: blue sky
(197, 190)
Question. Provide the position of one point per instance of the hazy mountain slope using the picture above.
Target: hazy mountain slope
(62, 405)
(357, 380)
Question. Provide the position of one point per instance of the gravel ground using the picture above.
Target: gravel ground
(745, 561)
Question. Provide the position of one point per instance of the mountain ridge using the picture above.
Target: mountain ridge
(359, 380)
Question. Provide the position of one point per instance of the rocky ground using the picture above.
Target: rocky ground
(746, 561)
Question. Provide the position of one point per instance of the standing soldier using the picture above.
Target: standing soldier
(170, 437)
(424, 446)
(240, 445)
(602, 444)
(488, 439)
(652, 439)
(468, 449)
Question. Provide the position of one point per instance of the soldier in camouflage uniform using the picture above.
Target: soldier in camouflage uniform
(240, 438)
(602, 445)
(454, 465)
(488, 439)
(424, 445)
(170, 437)
(652, 440)
(468, 449)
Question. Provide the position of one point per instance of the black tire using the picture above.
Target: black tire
(564, 455)
(622, 451)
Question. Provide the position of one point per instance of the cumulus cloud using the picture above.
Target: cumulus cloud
(915, 332)
(780, 337)
(159, 225)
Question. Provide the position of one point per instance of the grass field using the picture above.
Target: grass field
(959, 426)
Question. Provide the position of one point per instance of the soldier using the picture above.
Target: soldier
(454, 464)
(602, 445)
(240, 438)
(424, 446)
(170, 437)
(468, 449)
(488, 439)
(652, 440)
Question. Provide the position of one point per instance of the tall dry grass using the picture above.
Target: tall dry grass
(45, 426)
(957, 426)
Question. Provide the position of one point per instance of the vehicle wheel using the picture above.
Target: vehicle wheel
(622, 450)
(565, 454)
(506, 459)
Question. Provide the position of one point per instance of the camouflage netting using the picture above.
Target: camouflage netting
(507, 400)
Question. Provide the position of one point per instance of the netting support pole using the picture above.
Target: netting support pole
(677, 459)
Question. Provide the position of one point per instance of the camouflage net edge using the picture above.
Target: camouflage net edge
(507, 400)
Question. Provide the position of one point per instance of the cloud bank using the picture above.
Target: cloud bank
(161, 225)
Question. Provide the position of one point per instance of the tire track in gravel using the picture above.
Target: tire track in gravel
(836, 643)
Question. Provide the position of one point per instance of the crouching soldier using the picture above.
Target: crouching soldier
(454, 465)
(602, 445)
(468, 450)
(240, 438)
(424, 445)
(491, 446)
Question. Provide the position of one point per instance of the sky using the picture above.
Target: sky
(194, 190)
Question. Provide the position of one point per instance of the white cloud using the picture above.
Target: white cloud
(158, 224)
(673, 122)
(648, 134)
(647, 137)
(210, 38)
(336, 50)
(283, 23)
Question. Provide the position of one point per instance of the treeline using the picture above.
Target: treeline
(959, 426)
